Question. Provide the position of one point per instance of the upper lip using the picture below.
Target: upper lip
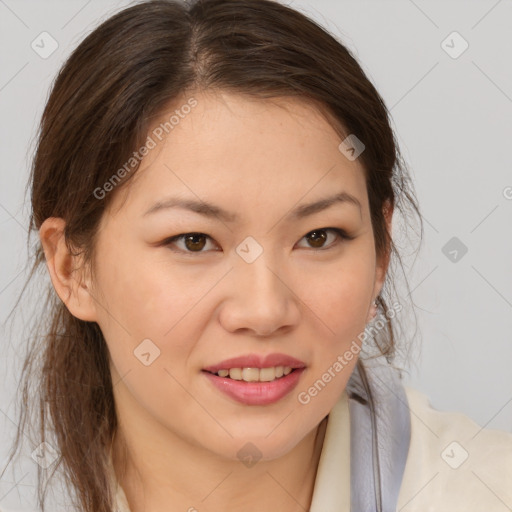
(256, 361)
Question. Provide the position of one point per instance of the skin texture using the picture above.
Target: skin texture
(259, 159)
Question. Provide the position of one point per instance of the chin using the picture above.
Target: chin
(261, 446)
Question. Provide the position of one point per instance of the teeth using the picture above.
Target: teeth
(235, 373)
(250, 374)
(266, 374)
(256, 374)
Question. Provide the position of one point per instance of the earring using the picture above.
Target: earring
(373, 312)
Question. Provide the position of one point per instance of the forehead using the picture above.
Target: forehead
(245, 153)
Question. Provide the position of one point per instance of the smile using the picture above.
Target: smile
(250, 388)
(256, 374)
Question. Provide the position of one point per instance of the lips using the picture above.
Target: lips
(256, 393)
(260, 392)
(256, 361)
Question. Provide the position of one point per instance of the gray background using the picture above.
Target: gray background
(453, 119)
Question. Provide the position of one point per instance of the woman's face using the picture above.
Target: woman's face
(263, 276)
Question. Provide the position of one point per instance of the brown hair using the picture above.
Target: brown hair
(120, 77)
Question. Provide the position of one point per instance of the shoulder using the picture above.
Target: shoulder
(453, 463)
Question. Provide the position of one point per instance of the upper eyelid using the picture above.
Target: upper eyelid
(341, 233)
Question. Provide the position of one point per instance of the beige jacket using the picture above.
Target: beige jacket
(453, 464)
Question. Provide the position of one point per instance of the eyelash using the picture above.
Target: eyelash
(343, 235)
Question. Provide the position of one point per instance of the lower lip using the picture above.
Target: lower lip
(256, 393)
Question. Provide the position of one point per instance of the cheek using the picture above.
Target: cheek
(146, 331)
(339, 300)
(141, 297)
(150, 300)
(339, 295)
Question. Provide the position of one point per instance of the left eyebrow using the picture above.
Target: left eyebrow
(211, 210)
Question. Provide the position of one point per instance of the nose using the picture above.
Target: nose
(261, 299)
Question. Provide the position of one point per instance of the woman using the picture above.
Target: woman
(213, 189)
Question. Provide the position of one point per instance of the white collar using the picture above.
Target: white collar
(332, 483)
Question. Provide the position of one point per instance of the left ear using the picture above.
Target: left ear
(383, 260)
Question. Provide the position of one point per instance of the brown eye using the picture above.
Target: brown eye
(193, 242)
(196, 242)
(317, 238)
